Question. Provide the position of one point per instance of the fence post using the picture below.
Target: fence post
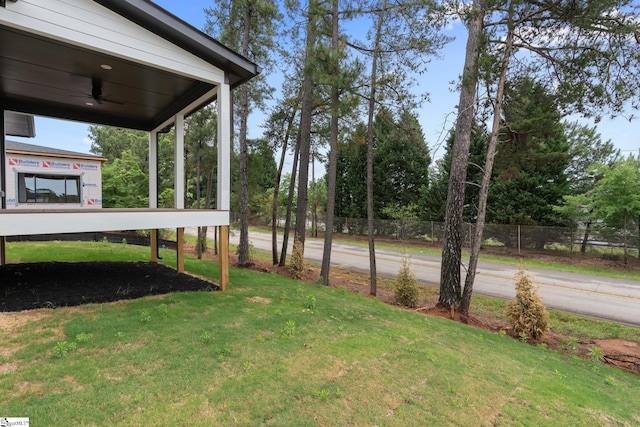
(432, 235)
(519, 239)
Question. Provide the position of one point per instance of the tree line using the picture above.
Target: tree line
(350, 71)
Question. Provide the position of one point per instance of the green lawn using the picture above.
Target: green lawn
(273, 351)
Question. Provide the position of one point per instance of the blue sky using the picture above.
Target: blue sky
(436, 117)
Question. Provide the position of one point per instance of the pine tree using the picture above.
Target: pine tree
(249, 27)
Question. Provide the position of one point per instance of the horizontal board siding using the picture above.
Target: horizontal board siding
(87, 24)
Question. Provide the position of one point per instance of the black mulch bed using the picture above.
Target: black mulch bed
(58, 284)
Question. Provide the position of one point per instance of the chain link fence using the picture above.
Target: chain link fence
(592, 238)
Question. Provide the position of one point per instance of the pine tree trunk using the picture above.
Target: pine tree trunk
(450, 288)
(373, 287)
(486, 179)
(305, 127)
(243, 246)
(287, 221)
(333, 157)
(202, 238)
(276, 191)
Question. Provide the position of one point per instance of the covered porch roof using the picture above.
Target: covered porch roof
(122, 63)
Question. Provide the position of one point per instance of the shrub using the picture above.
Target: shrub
(297, 261)
(406, 290)
(527, 314)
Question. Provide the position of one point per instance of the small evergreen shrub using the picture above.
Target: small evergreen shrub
(527, 315)
(406, 290)
(296, 268)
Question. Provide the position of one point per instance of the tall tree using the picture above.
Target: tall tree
(114, 142)
(341, 79)
(402, 153)
(306, 119)
(450, 286)
(533, 154)
(584, 52)
(616, 197)
(249, 27)
(433, 205)
(402, 38)
(586, 150)
(200, 139)
(333, 144)
(124, 184)
(290, 206)
(351, 177)
(279, 128)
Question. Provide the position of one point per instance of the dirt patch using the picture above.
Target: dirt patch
(621, 353)
(260, 300)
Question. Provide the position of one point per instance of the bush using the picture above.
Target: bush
(527, 314)
(406, 289)
(297, 261)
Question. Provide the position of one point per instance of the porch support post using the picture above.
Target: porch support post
(3, 185)
(180, 250)
(153, 190)
(179, 161)
(179, 184)
(223, 194)
(224, 257)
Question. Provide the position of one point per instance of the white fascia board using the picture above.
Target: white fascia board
(91, 26)
(21, 223)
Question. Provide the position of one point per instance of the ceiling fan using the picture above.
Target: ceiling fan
(97, 95)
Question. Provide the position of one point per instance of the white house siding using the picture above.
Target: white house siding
(89, 172)
(87, 24)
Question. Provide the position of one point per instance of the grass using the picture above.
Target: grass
(262, 354)
(583, 327)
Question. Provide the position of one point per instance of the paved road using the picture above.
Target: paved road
(602, 297)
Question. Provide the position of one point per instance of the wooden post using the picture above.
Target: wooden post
(224, 257)
(154, 245)
(518, 239)
(3, 250)
(180, 250)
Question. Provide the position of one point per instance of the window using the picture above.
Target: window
(37, 188)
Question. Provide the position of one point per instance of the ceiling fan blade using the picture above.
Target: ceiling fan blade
(103, 99)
